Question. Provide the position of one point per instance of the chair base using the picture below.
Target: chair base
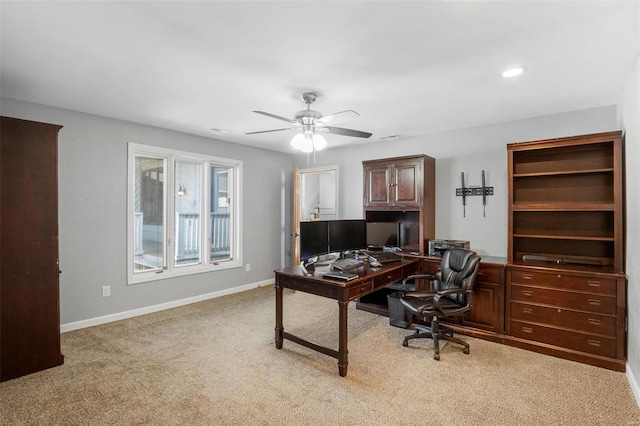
(437, 333)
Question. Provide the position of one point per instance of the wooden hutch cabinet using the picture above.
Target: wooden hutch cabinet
(402, 190)
(29, 303)
(565, 279)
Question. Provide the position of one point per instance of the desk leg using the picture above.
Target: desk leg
(342, 337)
(279, 327)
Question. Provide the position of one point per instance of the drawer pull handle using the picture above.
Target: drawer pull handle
(593, 321)
(527, 276)
(527, 293)
(594, 302)
(593, 283)
(363, 289)
(594, 342)
(527, 330)
(527, 310)
(559, 276)
(480, 273)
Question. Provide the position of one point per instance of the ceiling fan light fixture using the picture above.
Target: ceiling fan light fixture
(307, 145)
(298, 141)
(319, 142)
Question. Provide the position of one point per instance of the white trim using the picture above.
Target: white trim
(161, 307)
(635, 388)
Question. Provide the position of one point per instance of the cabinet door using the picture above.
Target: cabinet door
(407, 184)
(487, 311)
(376, 186)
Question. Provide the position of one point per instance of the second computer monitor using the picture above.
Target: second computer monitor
(347, 235)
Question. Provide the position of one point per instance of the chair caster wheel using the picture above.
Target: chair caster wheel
(436, 357)
(405, 343)
(465, 351)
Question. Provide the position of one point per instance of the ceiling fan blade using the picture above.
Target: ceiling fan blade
(339, 116)
(269, 131)
(277, 117)
(344, 132)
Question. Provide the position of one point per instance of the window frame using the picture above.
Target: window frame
(171, 269)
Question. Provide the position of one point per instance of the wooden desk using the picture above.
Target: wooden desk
(369, 280)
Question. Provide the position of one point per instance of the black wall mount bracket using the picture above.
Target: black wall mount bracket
(467, 191)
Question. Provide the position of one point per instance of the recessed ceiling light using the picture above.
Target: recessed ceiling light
(513, 72)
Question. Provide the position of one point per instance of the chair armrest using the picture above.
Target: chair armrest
(430, 277)
(447, 292)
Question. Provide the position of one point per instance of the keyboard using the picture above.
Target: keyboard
(346, 264)
(384, 256)
(339, 275)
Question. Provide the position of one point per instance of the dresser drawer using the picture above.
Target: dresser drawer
(583, 342)
(563, 281)
(564, 299)
(360, 289)
(581, 321)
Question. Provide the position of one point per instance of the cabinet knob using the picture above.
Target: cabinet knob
(559, 276)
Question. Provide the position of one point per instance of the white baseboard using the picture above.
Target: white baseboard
(635, 387)
(161, 307)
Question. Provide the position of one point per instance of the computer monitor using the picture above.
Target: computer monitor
(382, 234)
(314, 238)
(347, 235)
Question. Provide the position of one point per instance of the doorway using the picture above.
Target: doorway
(315, 198)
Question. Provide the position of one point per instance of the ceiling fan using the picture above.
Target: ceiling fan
(309, 123)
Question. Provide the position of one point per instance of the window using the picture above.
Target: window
(183, 213)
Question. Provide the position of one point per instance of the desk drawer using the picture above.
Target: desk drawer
(389, 277)
(581, 321)
(559, 280)
(360, 289)
(564, 299)
(570, 339)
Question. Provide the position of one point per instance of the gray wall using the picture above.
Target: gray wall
(92, 185)
(466, 150)
(629, 118)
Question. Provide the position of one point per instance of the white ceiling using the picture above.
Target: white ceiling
(408, 68)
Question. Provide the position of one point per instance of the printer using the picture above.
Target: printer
(438, 247)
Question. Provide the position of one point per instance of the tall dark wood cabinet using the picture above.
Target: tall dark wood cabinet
(29, 291)
(566, 288)
(402, 190)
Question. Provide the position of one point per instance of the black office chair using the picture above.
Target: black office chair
(452, 297)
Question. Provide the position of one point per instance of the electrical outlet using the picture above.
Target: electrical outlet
(106, 290)
(247, 267)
